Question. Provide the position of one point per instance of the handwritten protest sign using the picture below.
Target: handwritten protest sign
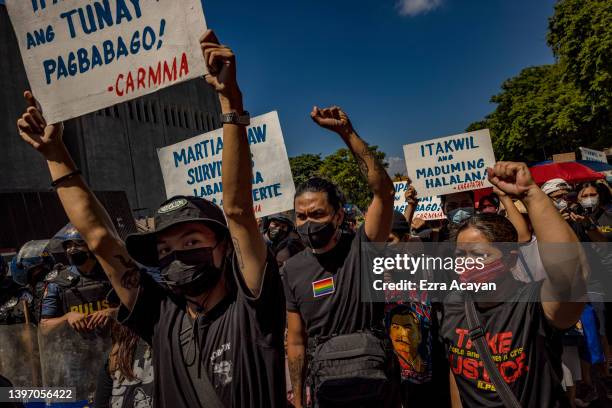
(450, 164)
(593, 155)
(84, 55)
(428, 208)
(193, 167)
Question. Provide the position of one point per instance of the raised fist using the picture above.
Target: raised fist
(333, 119)
(511, 178)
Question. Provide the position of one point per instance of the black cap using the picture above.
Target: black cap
(177, 210)
(399, 223)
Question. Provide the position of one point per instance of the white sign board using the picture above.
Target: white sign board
(428, 208)
(193, 167)
(81, 55)
(593, 155)
(450, 164)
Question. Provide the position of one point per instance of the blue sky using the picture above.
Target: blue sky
(402, 77)
(404, 70)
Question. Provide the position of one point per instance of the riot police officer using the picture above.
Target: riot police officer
(77, 294)
(21, 294)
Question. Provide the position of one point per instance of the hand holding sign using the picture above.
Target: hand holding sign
(34, 130)
(334, 119)
(221, 63)
(511, 178)
(411, 196)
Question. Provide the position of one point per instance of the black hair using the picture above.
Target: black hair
(444, 197)
(494, 227)
(321, 185)
(602, 191)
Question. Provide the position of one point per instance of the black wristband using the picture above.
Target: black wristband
(67, 177)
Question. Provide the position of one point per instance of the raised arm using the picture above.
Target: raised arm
(558, 245)
(81, 205)
(380, 213)
(237, 166)
(514, 216)
(411, 203)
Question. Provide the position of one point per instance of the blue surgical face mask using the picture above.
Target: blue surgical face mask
(458, 215)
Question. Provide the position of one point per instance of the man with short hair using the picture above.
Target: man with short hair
(323, 282)
(217, 332)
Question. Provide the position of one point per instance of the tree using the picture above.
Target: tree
(557, 108)
(304, 167)
(537, 115)
(342, 169)
(580, 35)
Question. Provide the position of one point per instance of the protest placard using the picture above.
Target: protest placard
(193, 167)
(82, 55)
(593, 155)
(428, 208)
(450, 164)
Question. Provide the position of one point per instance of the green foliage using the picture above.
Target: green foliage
(537, 115)
(304, 167)
(557, 108)
(580, 35)
(339, 168)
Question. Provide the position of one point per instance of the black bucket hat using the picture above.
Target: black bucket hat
(177, 210)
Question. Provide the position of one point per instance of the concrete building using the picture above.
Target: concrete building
(115, 147)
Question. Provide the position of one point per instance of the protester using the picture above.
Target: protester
(489, 204)
(126, 380)
(593, 197)
(217, 335)
(524, 331)
(457, 207)
(322, 285)
(282, 239)
(77, 294)
(29, 271)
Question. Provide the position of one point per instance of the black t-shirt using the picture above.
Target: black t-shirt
(326, 289)
(240, 342)
(520, 338)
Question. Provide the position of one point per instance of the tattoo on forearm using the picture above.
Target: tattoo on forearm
(362, 160)
(131, 276)
(238, 253)
(296, 372)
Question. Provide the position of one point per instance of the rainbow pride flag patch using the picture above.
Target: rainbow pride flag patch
(323, 287)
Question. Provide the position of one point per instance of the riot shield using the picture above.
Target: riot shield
(72, 360)
(19, 355)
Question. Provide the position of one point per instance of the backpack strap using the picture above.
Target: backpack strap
(477, 335)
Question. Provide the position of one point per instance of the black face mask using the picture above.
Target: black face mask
(191, 272)
(277, 234)
(78, 258)
(316, 235)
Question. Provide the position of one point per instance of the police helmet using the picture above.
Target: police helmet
(31, 255)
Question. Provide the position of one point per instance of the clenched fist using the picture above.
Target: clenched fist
(334, 119)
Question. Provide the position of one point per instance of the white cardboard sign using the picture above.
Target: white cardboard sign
(450, 164)
(193, 167)
(84, 55)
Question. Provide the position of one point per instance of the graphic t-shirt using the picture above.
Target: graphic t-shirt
(238, 344)
(521, 340)
(114, 392)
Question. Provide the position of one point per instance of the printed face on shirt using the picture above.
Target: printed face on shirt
(189, 235)
(405, 333)
(315, 207)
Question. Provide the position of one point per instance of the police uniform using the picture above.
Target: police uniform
(70, 291)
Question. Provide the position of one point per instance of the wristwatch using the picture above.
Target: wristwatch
(233, 118)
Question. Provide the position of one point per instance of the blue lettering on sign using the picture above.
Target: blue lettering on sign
(100, 15)
(257, 134)
(448, 146)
